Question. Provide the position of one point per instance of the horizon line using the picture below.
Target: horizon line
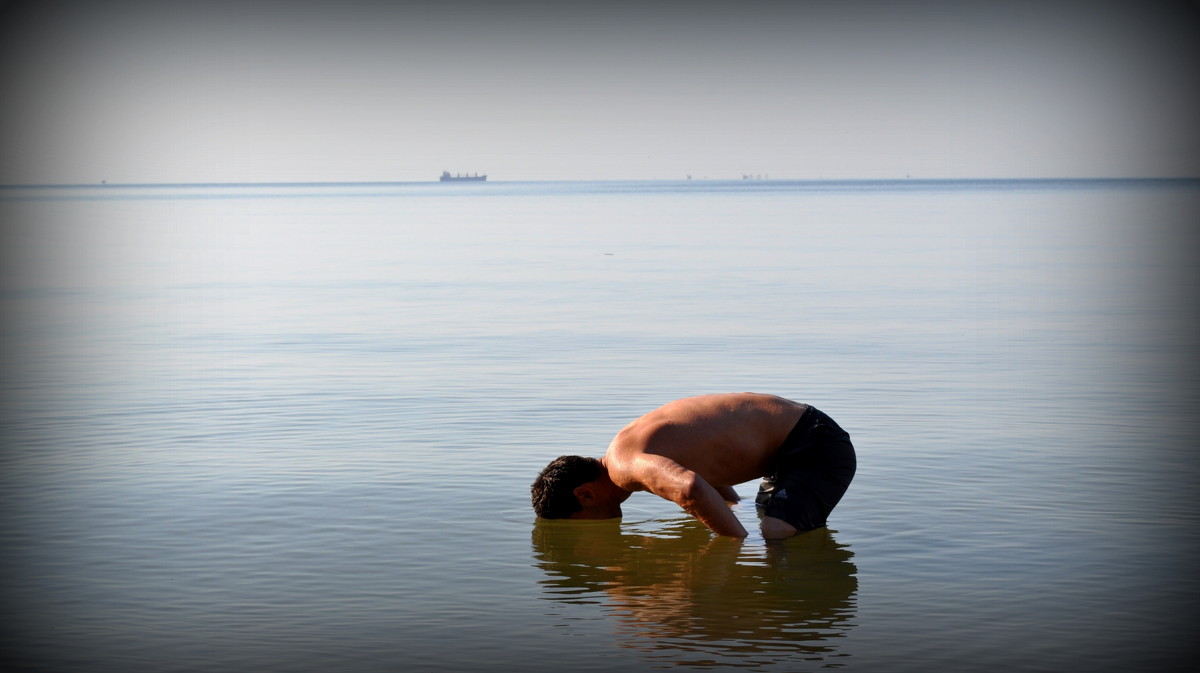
(380, 183)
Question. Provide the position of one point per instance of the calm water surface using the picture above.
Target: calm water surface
(292, 428)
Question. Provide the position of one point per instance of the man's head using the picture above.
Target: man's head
(576, 487)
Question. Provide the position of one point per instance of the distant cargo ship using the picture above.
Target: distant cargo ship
(446, 177)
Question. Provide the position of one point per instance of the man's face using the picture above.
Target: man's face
(598, 499)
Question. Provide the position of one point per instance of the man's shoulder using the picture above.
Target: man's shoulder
(629, 463)
(639, 471)
(623, 453)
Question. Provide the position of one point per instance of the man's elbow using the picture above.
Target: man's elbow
(689, 493)
(697, 496)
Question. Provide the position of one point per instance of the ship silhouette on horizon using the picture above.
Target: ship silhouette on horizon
(458, 177)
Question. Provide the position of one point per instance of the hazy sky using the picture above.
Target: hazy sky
(355, 90)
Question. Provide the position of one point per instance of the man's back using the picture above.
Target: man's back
(727, 439)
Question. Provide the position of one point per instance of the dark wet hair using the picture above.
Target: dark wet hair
(553, 491)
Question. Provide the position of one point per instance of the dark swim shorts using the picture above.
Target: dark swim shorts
(811, 472)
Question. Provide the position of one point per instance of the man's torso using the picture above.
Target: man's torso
(727, 439)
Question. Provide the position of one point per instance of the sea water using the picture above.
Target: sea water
(293, 427)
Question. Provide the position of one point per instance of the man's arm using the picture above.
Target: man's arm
(668, 479)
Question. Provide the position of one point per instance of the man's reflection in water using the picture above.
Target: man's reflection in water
(684, 596)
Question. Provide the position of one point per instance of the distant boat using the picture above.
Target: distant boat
(446, 177)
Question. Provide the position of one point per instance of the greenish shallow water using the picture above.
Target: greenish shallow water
(292, 428)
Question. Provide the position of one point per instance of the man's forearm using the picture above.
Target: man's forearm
(706, 504)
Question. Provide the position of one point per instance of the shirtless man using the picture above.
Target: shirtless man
(693, 451)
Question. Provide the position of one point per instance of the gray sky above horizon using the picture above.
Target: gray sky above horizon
(129, 91)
